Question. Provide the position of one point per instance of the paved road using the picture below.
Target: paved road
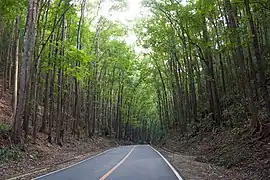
(125, 162)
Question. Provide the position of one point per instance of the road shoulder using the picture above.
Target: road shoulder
(189, 168)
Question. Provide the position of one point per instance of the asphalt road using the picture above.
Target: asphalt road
(126, 162)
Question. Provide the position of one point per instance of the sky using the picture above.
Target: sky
(128, 16)
(133, 11)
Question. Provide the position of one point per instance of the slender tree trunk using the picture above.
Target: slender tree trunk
(212, 89)
(16, 64)
(243, 81)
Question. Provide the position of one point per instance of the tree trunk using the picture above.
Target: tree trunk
(29, 41)
(259, 59)
(16, 64)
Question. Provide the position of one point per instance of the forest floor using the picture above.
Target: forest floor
(225, 155)
(32, 160)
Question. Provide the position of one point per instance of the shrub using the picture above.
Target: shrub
(7, 154)
(4, 130)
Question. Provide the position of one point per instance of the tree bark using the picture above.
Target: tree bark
(29, 41)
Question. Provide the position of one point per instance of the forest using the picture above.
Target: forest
(202, 67)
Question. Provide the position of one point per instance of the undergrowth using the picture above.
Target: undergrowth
(7, 154)
(4, 129)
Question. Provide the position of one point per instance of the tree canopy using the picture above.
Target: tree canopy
(202, 66)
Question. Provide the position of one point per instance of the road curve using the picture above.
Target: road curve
(125, 162)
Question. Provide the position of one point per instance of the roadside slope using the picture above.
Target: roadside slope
(224, 155)
(42, 158)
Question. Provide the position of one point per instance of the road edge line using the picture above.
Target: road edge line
(169, 164)
(74, 164)
(27, 174)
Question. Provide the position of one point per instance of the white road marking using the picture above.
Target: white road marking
(172, 168)
(73, 164)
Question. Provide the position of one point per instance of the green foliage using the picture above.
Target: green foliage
(9, 9)
(4, 129)
(7, 154)
(184, 41)
(87, 57)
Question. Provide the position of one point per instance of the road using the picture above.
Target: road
(126, 162)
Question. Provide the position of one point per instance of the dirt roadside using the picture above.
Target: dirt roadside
(190, 169)
(41, 160)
